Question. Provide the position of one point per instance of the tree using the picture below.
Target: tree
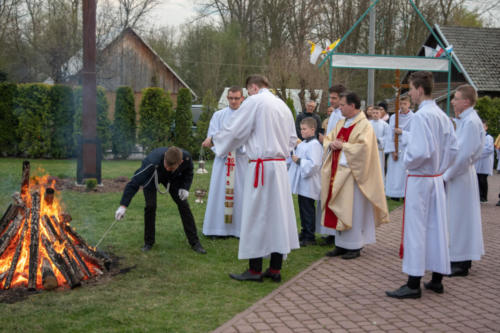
(208, 110)
(183, 135)
(62, 109)
(9, 138)
(155, 119)
(124, 125)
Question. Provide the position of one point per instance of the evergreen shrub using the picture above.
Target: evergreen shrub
(124, 125)
(9, 138)
(62, 109)
(183, 136)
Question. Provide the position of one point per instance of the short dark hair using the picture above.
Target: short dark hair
(235, 89)
(468, 92)
(173, 156)
(338, 89)
(310, 122)
(260, 80)
(352, 98)
(422, 79)
(383, 105)
(404, 98)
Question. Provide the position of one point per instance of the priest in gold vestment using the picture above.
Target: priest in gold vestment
(352, 191)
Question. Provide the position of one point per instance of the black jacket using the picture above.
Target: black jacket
(303, 115)
(182, 177)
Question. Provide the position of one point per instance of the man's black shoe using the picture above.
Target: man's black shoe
(198, 248)
(338, 251)
(305, 242)
(327, 241)
(146, 247)
(458, 271)
(435, 287)
(405, 292)
(351, 254)
(272, 276)
(246, 276)
(498, 203)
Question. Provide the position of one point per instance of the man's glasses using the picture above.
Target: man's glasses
(233, 98)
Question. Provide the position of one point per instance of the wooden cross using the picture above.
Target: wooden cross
(397, 86)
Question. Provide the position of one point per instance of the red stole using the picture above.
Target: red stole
(330, 217)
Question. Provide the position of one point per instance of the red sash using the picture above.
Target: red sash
(401, 247)
(260, 162)
(330, 217)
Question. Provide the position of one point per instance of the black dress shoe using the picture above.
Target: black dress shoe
(458, 271)
(198, 248)
(327, 241)
(405, 292)
(273, 276)
(146, 247)
(246, 276)
(435, 287)
(305, 242)
(351, 254)
(338, 251)
(498, 203)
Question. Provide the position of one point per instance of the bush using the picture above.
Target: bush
(289, 103)
(183, 137)
(155, 119)
(208, 109)
(103, 122)
(35, 119)
(62, 109)
(489, 110)
(124, 125)
(9, 138)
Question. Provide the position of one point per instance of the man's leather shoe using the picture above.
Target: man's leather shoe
(146, 247)
(338, 251)
(435, 287)
(198, 248)
(305, 242)
(458, 271)
(351, 254)
(498, 203)
(327, 241)
(246, 276)
(405, 292)
(272, 276)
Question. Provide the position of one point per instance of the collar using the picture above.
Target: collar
(426, 102)
(309, 138)
(466, 112)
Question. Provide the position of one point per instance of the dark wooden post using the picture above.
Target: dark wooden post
(89, 156)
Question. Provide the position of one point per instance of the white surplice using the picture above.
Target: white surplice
(213, 224)
(305, 178)
(335, 116)
(381, 129)
(432, 148)
(396, 170)
(265, 126)
(485, 163)
(462, 192)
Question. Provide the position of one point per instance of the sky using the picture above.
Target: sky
(173, 12)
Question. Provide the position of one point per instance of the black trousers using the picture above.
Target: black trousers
(184, 211)
(482, 180)
(307, 217)
(276, 262)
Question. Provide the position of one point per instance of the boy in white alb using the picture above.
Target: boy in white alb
(305, 178)
(381, 129)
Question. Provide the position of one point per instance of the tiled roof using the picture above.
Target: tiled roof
(478, 50)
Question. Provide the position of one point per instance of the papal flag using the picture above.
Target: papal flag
(331, 46)
(316, 51)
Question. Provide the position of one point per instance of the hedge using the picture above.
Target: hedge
(183, 136)
(489, 110)
(124, 124)
(9, 138)
(62, 109)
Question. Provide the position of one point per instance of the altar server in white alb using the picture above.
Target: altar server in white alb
(224, 204)
(396, 169)
(432, 148)
(334, 98)
(484, 166)
(264, 125)
(305, 178)
(381, 129)
(462, 193)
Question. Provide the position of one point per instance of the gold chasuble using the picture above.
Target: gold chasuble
(337, 190)
(497, 142)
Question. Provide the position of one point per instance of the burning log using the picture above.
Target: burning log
(12, 230)
(25, 180)
(88, 251)
(11, 211)
(60, 263)
(49, 279)
(49, 196)
(35, 218)
(13, 264)
(72, 246)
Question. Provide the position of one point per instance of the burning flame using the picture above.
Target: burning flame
(52, 226)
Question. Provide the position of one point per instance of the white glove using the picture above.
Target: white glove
(183, 194)
(120, 212)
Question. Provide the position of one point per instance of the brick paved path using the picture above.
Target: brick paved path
(335, 295)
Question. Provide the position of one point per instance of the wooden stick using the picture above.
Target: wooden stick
(12, 230)
(15, 259)
(35, 221)
(60, 263)
(25, 180)
(49, 279)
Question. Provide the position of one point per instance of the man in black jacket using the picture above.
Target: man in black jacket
(173, 168)
(309, 112)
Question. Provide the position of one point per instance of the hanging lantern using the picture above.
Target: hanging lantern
(201, 163)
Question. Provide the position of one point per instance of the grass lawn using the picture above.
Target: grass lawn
(171, 289)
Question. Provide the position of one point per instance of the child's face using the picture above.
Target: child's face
(376, 114)
(404, 106)
(306, 131)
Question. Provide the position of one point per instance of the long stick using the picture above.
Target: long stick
(105, 233)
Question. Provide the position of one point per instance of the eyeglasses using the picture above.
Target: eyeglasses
(233, 98)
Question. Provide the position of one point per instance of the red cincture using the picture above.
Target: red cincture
(260, 162)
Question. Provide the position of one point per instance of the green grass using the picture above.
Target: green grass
(172, 288)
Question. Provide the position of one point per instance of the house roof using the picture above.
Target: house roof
(477, 51)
